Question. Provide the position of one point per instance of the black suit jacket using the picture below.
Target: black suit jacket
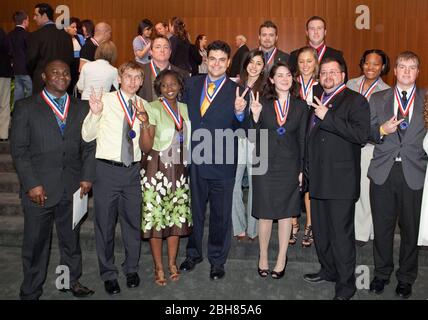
(18, 45)
(5, 62)
(238, 60)
(42, 156)
(47, 44)
(220, 115)
(329, 52)
(180, 53)
(334, 148)
(195, 59)
(146, 90)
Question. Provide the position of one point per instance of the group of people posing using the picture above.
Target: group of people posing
(155, 152)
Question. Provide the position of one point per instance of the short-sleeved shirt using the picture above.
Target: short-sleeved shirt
(138, 44)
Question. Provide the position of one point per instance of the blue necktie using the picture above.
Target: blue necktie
(60, 105)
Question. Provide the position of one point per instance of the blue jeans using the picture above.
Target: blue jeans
(23, 87)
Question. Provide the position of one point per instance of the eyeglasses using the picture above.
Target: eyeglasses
(329, 73)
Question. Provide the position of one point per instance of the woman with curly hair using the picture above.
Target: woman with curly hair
(166, 197)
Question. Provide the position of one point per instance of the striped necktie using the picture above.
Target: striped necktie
(206, 103)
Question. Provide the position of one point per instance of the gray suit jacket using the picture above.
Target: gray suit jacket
(413, 156)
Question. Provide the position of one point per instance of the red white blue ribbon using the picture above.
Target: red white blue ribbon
(144, 40)
(216, 90)
(370, 90)
(338, 90)
(153, 68)
(95, 42)
(272, 57)
(282, 111)
(178, 120)
(53, 105)
(129, 114)
(305, 89)
(405, 109)
(321, 52)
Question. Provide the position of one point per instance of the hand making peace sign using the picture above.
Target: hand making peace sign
(240, 102)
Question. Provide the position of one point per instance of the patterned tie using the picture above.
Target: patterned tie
(127, 149)
(60, 105)
(400, 116)
(206, 103)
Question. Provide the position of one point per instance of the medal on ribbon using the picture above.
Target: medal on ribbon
(305, 89)
(338, 90)
(370, 89)
(217, 90)
(178, 120)
(281, 114)
(404, 109)
(61, 114)
(129, 114)
(271, 57)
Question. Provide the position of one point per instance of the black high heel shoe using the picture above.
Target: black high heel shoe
(278, 275)
(262, 272)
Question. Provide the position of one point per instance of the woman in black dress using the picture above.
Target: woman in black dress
(276, 194)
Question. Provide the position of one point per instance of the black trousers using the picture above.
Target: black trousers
(394, 199)
(117, 192)
(38, 225)
(334, 238)
(219, 193)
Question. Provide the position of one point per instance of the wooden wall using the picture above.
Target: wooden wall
(395, 25)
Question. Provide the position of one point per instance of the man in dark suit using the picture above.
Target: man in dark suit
(18, 44)
(238, 57)
(214, 105)
(161, 52)
(268, 37)
(342, 120)
(316, 30)
(397, 173)
(46, 44)
(52, 162)
(5, 78)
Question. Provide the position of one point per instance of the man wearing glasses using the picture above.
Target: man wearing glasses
(341, 124)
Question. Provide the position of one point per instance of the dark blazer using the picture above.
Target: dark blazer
(295, 128)
(238, 60)
(334, 148)
(42, 156)
(146, 90)
(180, 53)
(413, 156)
(18, 45)
(47, 44)
(5, 62)
(329, 52)
(220, 115)
(195, 59)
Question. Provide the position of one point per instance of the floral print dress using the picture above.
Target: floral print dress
(166, 194)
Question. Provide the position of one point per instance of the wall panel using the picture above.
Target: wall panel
(396, 25)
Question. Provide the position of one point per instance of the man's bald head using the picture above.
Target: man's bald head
(56, 76)
(102, 32)
(240, 40)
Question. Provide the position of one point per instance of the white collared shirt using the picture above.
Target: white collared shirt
(408, 97)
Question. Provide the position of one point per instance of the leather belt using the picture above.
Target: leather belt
(117, 164)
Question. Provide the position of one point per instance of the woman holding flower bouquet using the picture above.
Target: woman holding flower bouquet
(166, 197)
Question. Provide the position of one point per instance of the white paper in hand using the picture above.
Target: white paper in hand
(80, 207)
